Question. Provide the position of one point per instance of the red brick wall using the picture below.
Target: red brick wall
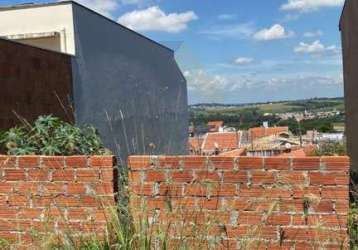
(54, 194)
(260, 203)
(33, 82)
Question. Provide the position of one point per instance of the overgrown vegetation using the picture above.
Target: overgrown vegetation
(49, 135)
(331, 149)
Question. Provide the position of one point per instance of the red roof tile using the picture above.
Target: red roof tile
(195, 143)
(223, 141)
(257, 133)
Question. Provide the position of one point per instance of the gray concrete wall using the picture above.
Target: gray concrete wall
(349, 31)
(129, 87)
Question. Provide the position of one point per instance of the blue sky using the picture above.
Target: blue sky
(238, 51)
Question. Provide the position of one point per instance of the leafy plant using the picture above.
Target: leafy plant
(353, 226)
(50, 136)
(331, 149)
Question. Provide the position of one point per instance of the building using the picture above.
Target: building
(126, 85)
(216, 143)
(261, 132)
(215, 126)
(349, 33)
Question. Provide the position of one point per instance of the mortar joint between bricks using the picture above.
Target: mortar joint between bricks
(290, 164)
(236, 164)
(249, 179)
(322, 165)
(17, 161)
(306, 182)
(156, 189)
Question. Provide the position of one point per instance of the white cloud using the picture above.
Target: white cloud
(154, 19)
(237, 31)
(315, 48)
(244, 60)
(275, 32)
(227, 17)
(237, 88)
(310, 5)
(313, 33)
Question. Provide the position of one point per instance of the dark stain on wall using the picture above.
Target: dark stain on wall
(33, 82)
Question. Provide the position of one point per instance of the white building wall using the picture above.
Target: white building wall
(33, 25)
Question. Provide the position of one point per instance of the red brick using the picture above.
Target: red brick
(7, 161)
(249, 218)
(291, 178)
(76, 161)
(7, 212)
(87, 175)
(182, 176)
(14, 175)
(6, 187)
(235, 177)
(277, 163)
(38, 175)
(104, 188)
(139, 163)
(77, 214)
(145, 189)
(18, 200)
(278, 219)
(335, 193)
(323, 206)
(63, 175)
(30, 213)
(306, 192)
(195, 162)
(306, 163)
(171, 190)
(211, 204)
(249, 232)
(336, 163)
(53, 188)
(329, 178)
(262, 177)
(28, 161)
(102, 161)
(76, 188)
(53, 162)
(222, 163)
(134, 177)
(207, 176)
(107, 175)
(247, 163)
(342, 206)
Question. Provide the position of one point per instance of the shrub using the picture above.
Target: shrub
(331, 149)
(49, 135)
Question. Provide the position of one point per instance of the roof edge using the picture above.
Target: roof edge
(120, 25)
(342, 14)
(29, 6)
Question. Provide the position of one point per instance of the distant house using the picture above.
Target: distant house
(272, 145)
(216, 143)
(260, 132)
(349, 33)
(64, 59)
(216, 126)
